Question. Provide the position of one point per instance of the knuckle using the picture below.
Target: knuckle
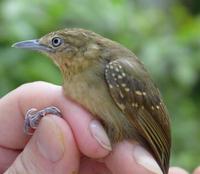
(30, 85)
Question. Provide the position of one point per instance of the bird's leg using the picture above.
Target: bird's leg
(33, 117)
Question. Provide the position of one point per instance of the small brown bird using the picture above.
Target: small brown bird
(108, 80)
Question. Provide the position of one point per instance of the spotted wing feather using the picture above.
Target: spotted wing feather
(140, 101)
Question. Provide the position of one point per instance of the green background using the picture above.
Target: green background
(165, 34)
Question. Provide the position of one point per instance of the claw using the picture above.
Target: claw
(33, 117)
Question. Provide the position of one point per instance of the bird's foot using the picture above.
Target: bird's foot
(33, 117)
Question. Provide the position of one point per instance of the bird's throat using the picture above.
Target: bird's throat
(70, 68)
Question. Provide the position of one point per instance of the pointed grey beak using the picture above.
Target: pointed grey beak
(32, 45)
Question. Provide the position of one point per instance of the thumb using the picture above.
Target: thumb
(51, 150)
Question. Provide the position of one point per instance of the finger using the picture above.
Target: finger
(197, 170)
(129, 157)
(7, 156)
(89, 166)
(177, 170)
(90, 135)
(51, 150)
(14, 106)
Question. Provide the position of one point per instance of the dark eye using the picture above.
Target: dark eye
(56, 41)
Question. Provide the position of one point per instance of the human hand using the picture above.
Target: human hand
(74, 144)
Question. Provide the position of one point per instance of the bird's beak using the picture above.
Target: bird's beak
(32, 45)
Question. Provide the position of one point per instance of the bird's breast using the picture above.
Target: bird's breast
(93, 95)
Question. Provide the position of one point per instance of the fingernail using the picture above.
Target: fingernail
(99, 134)
(144, 158)
(50, 141)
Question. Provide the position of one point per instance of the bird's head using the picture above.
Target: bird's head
(72, 50)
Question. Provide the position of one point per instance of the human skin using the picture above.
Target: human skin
(70, 147)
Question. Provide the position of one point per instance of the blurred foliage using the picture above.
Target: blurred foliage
(164, 34)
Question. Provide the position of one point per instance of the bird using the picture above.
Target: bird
(110, 81)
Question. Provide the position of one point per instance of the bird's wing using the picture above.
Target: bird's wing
(140, 101)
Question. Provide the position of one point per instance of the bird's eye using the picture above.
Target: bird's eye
(56, 41)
